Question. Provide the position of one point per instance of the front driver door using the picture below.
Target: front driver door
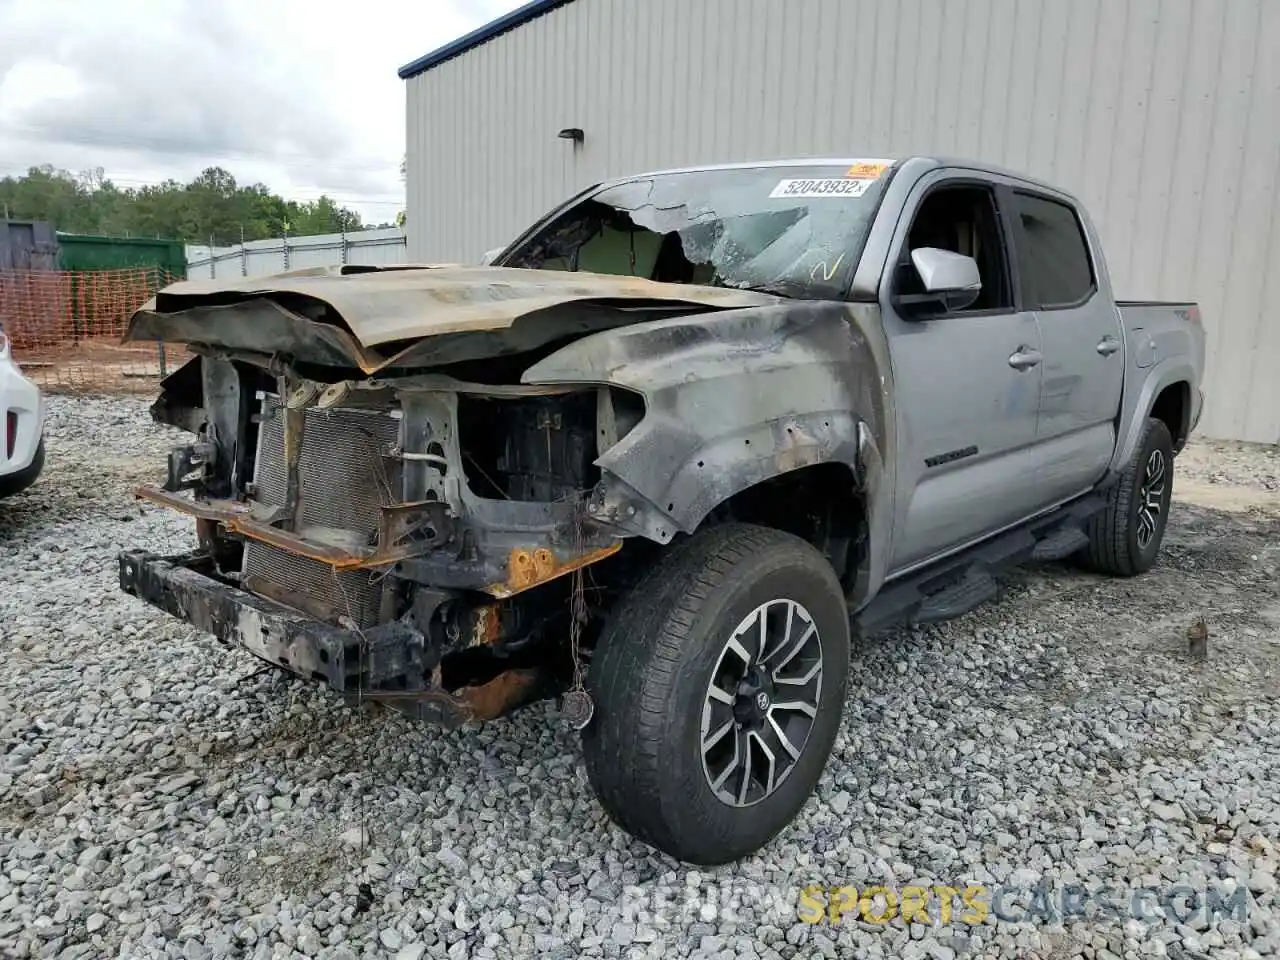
(967, 382)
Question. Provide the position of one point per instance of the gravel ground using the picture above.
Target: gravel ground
(161, 796)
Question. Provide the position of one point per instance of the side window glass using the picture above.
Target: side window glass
(961, 219)
(1053, 257)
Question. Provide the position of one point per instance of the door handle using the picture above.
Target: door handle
(1108, 345)
(1024, 358)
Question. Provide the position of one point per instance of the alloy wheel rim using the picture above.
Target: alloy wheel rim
(761, 702)
(1151, 498)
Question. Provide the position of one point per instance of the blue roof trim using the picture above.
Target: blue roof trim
(516, 18)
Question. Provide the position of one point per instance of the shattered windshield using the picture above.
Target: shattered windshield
(796, 231)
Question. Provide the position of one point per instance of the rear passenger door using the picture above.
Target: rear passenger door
(1060, 280)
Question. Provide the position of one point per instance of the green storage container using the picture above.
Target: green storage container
(82, 253)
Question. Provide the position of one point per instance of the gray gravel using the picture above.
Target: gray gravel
(1247, 465)
(163, 797)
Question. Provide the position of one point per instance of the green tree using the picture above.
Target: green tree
(211, 206)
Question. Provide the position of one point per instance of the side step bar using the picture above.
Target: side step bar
(1060, 544)
(958, 584)
(972, 590)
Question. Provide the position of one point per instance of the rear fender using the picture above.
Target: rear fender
(1134, 415)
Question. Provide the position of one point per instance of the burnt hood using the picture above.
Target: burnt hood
(375, 318)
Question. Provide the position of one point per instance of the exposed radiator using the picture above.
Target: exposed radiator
(313, 587)
(344, 477)
(343, 474)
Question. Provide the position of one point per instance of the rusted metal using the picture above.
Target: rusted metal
(237, 518)
(486, 625)
(355, 664)
(500, 695)
(286, 540)
(526, 567)
(220, 510)
(487, 701)
(531, 568)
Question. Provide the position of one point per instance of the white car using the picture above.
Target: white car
(21, 426)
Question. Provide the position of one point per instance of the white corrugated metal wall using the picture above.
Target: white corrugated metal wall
(1163, 115)
(382, 246)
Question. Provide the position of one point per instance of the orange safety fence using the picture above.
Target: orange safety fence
(65, 329)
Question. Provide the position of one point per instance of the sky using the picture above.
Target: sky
(302, 96)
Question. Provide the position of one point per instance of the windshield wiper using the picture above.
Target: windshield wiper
(770, 290)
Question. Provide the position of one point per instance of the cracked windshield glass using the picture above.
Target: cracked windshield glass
(795, 231)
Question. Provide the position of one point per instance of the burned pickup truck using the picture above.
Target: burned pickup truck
(662, 455)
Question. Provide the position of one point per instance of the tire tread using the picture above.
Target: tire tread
(637, 662)
(1108, 531)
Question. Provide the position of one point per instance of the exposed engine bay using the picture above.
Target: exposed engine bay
(416, 514)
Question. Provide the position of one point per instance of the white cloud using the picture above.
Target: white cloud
(302, 96)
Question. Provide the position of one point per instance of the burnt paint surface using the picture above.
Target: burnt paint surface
(410, 317)
(734, 398)
(390, 663)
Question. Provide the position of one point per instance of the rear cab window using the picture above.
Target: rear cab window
(1054, 267)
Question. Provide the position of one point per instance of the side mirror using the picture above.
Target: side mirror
(951, 282)
(490, 256)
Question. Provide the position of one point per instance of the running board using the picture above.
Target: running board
(1060, 544)
(972, 590)
(957, 584)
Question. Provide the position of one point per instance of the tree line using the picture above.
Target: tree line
(212, 205)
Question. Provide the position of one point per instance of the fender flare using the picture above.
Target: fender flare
(708, 474)
(732, 399)
(1163, 374)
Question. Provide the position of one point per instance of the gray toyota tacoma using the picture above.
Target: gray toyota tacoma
(663, 456)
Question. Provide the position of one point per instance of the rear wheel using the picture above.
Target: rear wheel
(719, 686)
(1125, 538)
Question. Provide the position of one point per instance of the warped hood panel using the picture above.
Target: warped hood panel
(411, 316)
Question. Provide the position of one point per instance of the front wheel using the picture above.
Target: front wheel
(1125, 538)
(719, 686)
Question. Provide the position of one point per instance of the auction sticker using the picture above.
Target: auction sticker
(834, 187)
(868, 168)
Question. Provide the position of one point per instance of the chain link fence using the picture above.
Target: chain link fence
(65, 329)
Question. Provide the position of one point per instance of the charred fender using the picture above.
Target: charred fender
(735, 398)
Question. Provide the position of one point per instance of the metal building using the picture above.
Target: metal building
(1162, 115)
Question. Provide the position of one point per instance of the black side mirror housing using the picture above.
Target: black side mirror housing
(930, 306)
(915, 273)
